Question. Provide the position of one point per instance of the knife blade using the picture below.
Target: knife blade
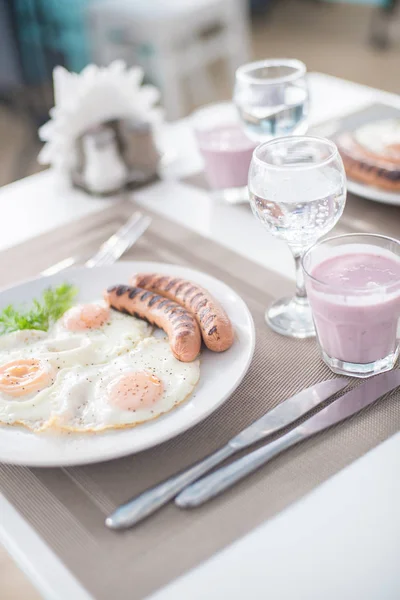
(347, 405)
(281, 416)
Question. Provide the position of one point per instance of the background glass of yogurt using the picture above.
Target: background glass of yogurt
(353, 285)
(225, 149)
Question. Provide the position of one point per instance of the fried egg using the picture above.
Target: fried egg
(25, 386)
(136, 387)
(85, 335)
(61, 353)
(29, 364)
(109, 332)
(95, 369)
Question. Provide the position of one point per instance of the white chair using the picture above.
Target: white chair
(173, 40)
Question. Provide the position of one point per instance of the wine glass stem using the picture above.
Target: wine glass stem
(301, 294)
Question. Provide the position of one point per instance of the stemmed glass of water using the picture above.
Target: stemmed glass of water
(272, 98)
(297, 189)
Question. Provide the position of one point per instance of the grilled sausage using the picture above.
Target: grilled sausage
(215, 326)
(179, 324)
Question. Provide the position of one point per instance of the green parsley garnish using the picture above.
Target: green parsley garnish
(42, 314)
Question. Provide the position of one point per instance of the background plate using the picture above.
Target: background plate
(374, 112)
(372, 193)
(220, 374)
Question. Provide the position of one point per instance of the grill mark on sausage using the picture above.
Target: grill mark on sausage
(176, 313)
(184, 326)
(159, 281)
(198, 295)
(144, 281)
(182, 334)
(121, 290)
(212, 330)
(185, 323)
(154, 299)
(204, 313)
(183, 316)
(163, 303)
(169, 308)
(189, 291)
(171, 284)
(208, 321)
(181, 286)
(134, 292)
(146, 294)
(200, 305)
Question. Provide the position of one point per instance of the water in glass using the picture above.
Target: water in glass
(303, 213)
(297, 188)
(271, 97)
(275, 114)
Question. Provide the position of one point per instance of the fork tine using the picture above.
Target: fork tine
(133, 230)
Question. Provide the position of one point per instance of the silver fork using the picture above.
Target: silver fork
(112, 249)
(120, 242)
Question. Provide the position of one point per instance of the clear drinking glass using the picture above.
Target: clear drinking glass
(226, 151)
(353, 283)
(272, 98)
(297, 188)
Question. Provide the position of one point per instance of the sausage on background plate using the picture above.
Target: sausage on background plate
(215, 326)
(178, 323)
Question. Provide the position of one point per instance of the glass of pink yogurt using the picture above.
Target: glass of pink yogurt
(225, 149)
(353, 285)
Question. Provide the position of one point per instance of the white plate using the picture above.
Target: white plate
(220, 375)
(373, 193)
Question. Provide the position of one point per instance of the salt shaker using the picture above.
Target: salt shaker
(103, 169)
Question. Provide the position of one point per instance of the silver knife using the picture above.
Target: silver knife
(283, 415)
(349, 404)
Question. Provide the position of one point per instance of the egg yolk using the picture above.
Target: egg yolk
(136, 391)
(24, 376)
(87, 316)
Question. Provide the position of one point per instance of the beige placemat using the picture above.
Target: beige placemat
(67, 507)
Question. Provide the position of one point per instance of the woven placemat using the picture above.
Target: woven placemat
(67, 507)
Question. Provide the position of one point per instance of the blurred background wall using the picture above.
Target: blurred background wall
(189, 48)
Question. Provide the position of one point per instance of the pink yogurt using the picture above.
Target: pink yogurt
(356, 307)
(227, 153)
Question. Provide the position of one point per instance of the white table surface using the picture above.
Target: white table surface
(340, 541)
